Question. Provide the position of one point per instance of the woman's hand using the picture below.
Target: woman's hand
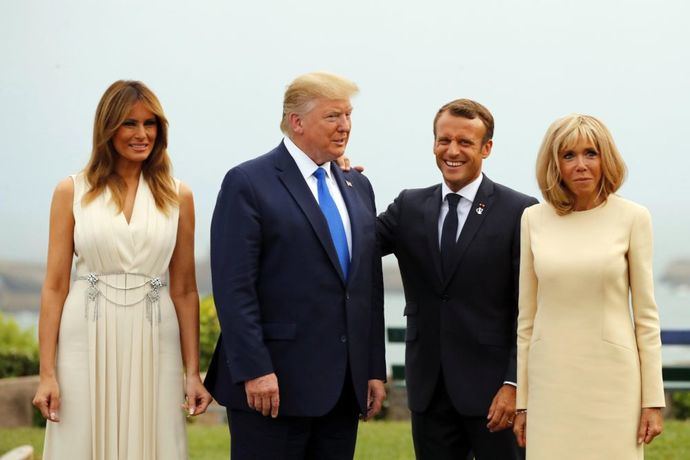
(47, 398)
(197, 397)
(651, 424)
(520, 428)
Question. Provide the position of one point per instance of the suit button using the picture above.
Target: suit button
(445, 297)
(347, 296)
(343, 338)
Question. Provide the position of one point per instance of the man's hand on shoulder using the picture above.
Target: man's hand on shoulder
(263, 395)
(502, 411)
(344, 163)
(376, 393)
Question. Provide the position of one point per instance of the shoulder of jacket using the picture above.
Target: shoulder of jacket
(420, 192)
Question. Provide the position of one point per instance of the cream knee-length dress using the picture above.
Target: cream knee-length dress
(588, 358)
(119, 363)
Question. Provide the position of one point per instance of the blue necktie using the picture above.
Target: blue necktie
(335, 223)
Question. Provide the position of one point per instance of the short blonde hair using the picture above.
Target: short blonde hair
(563, 134)
(301, 94)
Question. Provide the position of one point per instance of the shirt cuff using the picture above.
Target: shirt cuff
(508, 382)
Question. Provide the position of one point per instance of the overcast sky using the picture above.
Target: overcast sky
(220, 69)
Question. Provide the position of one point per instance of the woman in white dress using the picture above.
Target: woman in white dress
(589, 352)
(120, 347)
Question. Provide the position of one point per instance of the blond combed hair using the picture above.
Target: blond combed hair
(304, 90)
(563, 134)
(113, 108)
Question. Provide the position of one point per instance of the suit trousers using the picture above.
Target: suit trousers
(329, 437)
(441, 433)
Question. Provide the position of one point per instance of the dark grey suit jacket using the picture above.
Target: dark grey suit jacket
(464, 323)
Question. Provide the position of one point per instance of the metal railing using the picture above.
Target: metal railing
(675, 377)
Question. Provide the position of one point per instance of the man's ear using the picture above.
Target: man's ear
(486, 149)
(295, 122)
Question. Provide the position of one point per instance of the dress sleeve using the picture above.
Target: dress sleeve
(527, 305)
(645, 313)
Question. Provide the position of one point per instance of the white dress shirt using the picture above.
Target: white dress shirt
(307, 167)
(467, 194)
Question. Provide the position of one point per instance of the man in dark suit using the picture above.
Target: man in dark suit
(457, 245)
(298, 289)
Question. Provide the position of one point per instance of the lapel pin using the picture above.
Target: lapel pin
(349, 184)
(480, 209)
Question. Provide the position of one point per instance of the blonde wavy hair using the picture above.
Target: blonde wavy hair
(301, 94)
(563, 134)
(112, 110)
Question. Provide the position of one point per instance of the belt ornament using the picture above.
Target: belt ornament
(94, 293)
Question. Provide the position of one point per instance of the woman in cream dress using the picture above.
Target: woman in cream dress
(589, 371)
(117, 345)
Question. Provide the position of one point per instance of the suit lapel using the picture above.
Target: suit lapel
(475, 219)
(354, 211)
(291, 177)
(432, 208)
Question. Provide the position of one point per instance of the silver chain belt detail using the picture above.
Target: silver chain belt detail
(94, 293)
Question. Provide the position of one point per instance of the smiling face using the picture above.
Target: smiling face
(136, 136)
(322, 133)
(580, 166)
(459, 149)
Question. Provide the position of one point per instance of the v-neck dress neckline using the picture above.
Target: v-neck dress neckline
(140, 181)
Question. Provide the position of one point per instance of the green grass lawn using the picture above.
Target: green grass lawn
(376, 441)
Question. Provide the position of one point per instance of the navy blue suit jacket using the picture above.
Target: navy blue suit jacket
(464, 322)
(281, 298)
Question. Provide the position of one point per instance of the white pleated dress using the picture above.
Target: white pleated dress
(119, 363)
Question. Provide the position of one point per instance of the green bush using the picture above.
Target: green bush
(681, 404)
(17, 365)
(18, 349)
(37, 419)
(209, 330)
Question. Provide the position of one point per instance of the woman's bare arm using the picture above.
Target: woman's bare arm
(185, 297)
(53, 295)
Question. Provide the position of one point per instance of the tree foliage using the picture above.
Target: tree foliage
(209, 330)
(681, 404)
(18, 349)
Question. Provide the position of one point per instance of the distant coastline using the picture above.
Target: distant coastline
(20, 296)
(21, 282)
(677, 274)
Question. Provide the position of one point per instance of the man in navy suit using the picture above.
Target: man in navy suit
(458, 248)
(298, 289)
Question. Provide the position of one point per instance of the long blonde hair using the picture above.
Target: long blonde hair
(563, 134)
(112, 110)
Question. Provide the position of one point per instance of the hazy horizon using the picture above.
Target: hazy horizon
(220, 70)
